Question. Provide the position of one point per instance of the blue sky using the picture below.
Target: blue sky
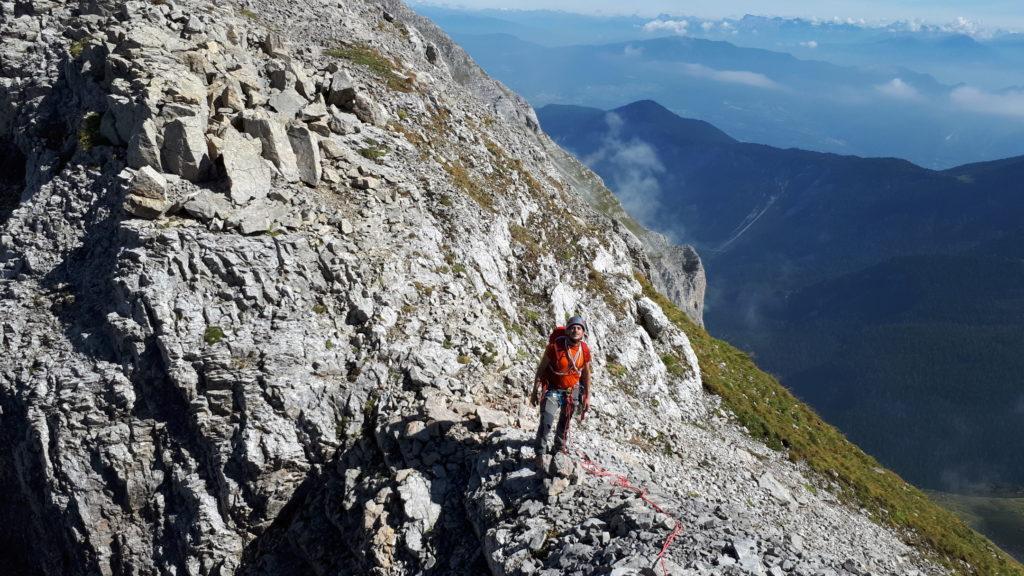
(986, 13)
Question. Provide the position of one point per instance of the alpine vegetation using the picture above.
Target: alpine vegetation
(275, 279)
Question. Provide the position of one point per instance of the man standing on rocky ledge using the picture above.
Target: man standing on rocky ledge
(562, 382)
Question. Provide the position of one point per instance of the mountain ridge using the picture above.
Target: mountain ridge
(273, 299)
(807, 248)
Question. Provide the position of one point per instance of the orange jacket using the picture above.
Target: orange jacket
(563, 366)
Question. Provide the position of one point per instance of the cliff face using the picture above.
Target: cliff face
(274, 280)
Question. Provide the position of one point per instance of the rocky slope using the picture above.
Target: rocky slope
(274, 279)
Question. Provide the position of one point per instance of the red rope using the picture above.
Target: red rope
(619, 480)
(623, 482)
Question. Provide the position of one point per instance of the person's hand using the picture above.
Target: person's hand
(584, 407)
(535, 395)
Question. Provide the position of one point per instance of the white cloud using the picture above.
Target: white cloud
(810, 44)
(631, 51)
(707, 25)
(744, 77)
(674, 26)
(635, 170)
(897, 88)
(1008, 103)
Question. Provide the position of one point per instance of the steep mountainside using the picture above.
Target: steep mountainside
(878, 290)
(274, 282)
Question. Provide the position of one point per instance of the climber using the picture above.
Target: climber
(562, 381)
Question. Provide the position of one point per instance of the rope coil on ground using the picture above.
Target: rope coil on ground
(623, 482)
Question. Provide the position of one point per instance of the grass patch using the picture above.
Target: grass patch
(374, 151)
(319, 308)
(463, 181)
(371, 59)
(526, 239)
(77, 47)
(773, 415)
(245, 12)
(464, 359)
(599, 283)
(615, 369)
(89, 132)
(675, 365)
(213, 335)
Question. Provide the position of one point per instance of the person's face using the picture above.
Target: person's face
(575, 332)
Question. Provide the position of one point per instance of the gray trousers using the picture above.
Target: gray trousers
(550, 412)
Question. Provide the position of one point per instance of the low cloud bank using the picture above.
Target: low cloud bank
(1008, 103)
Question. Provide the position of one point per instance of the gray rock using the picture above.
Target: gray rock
(315, 111)
(248, 174)
(652, 317)
(274, 45)
(306, 146)
(342, 90)
(206, 206)
(369, 110)
(772, 486)
(144, 147)
(288, 103)
(490, 419)
(149, 183)
(184, 149)
(143, 207)
(276, 146)
(744, 551)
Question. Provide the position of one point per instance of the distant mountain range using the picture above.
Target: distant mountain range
(889, 295)
(767, 96)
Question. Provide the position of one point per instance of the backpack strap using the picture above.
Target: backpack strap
(574, 367)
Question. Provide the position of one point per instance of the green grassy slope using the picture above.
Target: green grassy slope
(772, 414)
(1000, 518)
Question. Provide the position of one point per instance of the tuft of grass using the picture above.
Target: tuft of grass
(89, 132)
(319, 308)
(615, 369)
(248, 14)
(599, 283)
(675, 365)
(329, 345)
(772, 414)
(463, 181)
(213, 335)
(464, 359)
(374, 151)
(77, 47)
(371, 59)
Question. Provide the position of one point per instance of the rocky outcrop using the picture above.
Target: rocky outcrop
(260, 318)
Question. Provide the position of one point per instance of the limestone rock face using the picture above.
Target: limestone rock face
(210, 368)
(247, 172)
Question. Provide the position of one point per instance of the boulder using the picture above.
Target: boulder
(314, 111)
(206, 206)
(288, 103)
(369, 111)
(149, 183)
(490, 419)
(248, 173)
(652, 318)
(342, 91)
(144, 147)
(184, 150)
(276, 146)
(274, 45)
(149, 208)
(306, 146)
